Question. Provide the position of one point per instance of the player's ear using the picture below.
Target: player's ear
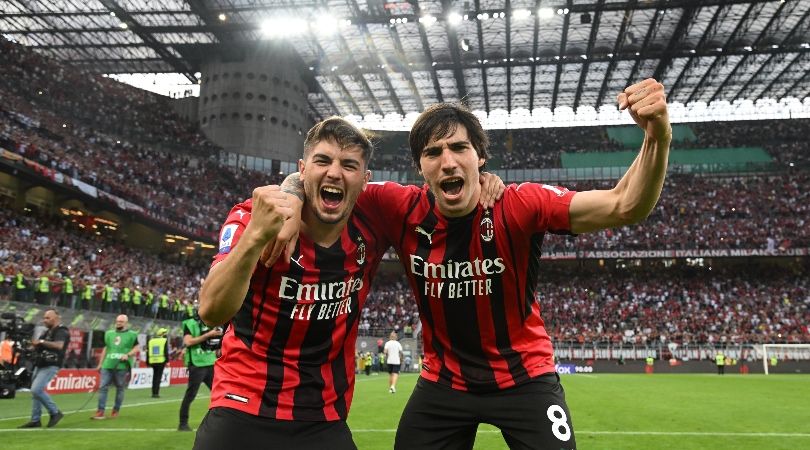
(301, 169)
(366, 179)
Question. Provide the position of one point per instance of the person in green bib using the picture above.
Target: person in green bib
(120, 345)
(201, 344)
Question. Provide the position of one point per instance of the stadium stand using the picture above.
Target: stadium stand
(646, 306)
(127, 143)
(118, 139)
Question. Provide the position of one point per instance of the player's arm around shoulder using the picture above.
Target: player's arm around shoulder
(635, 195)
(243, 238)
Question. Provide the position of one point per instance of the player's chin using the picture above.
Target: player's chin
(331, 217)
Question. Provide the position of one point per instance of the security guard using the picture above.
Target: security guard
(68, 300)
(19, 288)
(136, 301)
(720, 360)
(150, 298)
(87, 296)
(200, 362)
(126, 299)
(107, 298)
(163, 311)
(43, 290)
(156, 358)
(650, 364)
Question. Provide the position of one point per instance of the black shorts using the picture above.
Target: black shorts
(530, 416)
(393, 368)
(225, 428)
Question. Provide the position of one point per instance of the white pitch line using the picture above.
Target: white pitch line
(391, 430)
(639, 433)
(132, 405)
(93, 409)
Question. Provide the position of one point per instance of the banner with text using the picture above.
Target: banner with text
(74, 380)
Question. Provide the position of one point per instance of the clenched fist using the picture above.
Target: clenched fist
(647, 104)
(271, 208)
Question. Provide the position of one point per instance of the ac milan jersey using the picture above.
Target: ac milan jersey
(474, 279)
(289, 352)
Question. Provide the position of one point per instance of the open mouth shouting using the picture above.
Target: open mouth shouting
(331, 197)
(452, 187)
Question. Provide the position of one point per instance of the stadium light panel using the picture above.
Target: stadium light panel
(521, 14)
(454, 18)
(223, 17)
(283, 27)
(325, 24)
(545, 13)
(427, 20)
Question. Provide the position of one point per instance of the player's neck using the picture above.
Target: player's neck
(322, 234)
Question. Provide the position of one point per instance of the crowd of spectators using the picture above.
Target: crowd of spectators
(33, 247)
(636, 305)
(715, 304)
(756, 212)
(116, 138)
(389, 306)
(113, 136)
(643, 305)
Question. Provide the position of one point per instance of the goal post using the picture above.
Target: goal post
(784, 351)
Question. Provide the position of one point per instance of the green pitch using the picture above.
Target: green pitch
(609, 411)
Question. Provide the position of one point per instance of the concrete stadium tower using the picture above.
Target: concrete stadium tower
(253, 102)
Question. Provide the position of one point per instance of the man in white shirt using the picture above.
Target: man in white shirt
(393, 358)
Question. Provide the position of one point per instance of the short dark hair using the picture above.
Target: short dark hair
(440, 121)
(343, 133)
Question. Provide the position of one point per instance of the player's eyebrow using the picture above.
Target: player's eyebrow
(454, 144)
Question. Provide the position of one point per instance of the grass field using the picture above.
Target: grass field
(624, 412)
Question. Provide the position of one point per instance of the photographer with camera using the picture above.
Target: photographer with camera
(120, 345)
(201, 344)
(49, 352)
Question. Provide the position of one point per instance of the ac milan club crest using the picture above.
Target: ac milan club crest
(487, 227)
(361, 251)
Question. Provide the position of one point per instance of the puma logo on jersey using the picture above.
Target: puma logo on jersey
(297, 261)
(241, 213)
(421, 230)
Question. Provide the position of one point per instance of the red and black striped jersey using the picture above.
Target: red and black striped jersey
(474, 279)
(289, 352)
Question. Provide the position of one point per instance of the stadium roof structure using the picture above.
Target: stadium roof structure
(380, 58)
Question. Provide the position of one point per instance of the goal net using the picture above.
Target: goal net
(773, 354)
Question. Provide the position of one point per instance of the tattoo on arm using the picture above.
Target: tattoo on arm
(293, 185)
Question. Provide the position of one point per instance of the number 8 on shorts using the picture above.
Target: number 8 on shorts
(559, 422)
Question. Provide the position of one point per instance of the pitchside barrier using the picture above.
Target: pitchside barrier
(590, 367)
(88, 380)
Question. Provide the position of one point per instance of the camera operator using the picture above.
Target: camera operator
(50, 351)
(201, 345)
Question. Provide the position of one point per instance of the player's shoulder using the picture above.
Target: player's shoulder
(534, 189)
(390, 187)
(245, 205)
(240, 212)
